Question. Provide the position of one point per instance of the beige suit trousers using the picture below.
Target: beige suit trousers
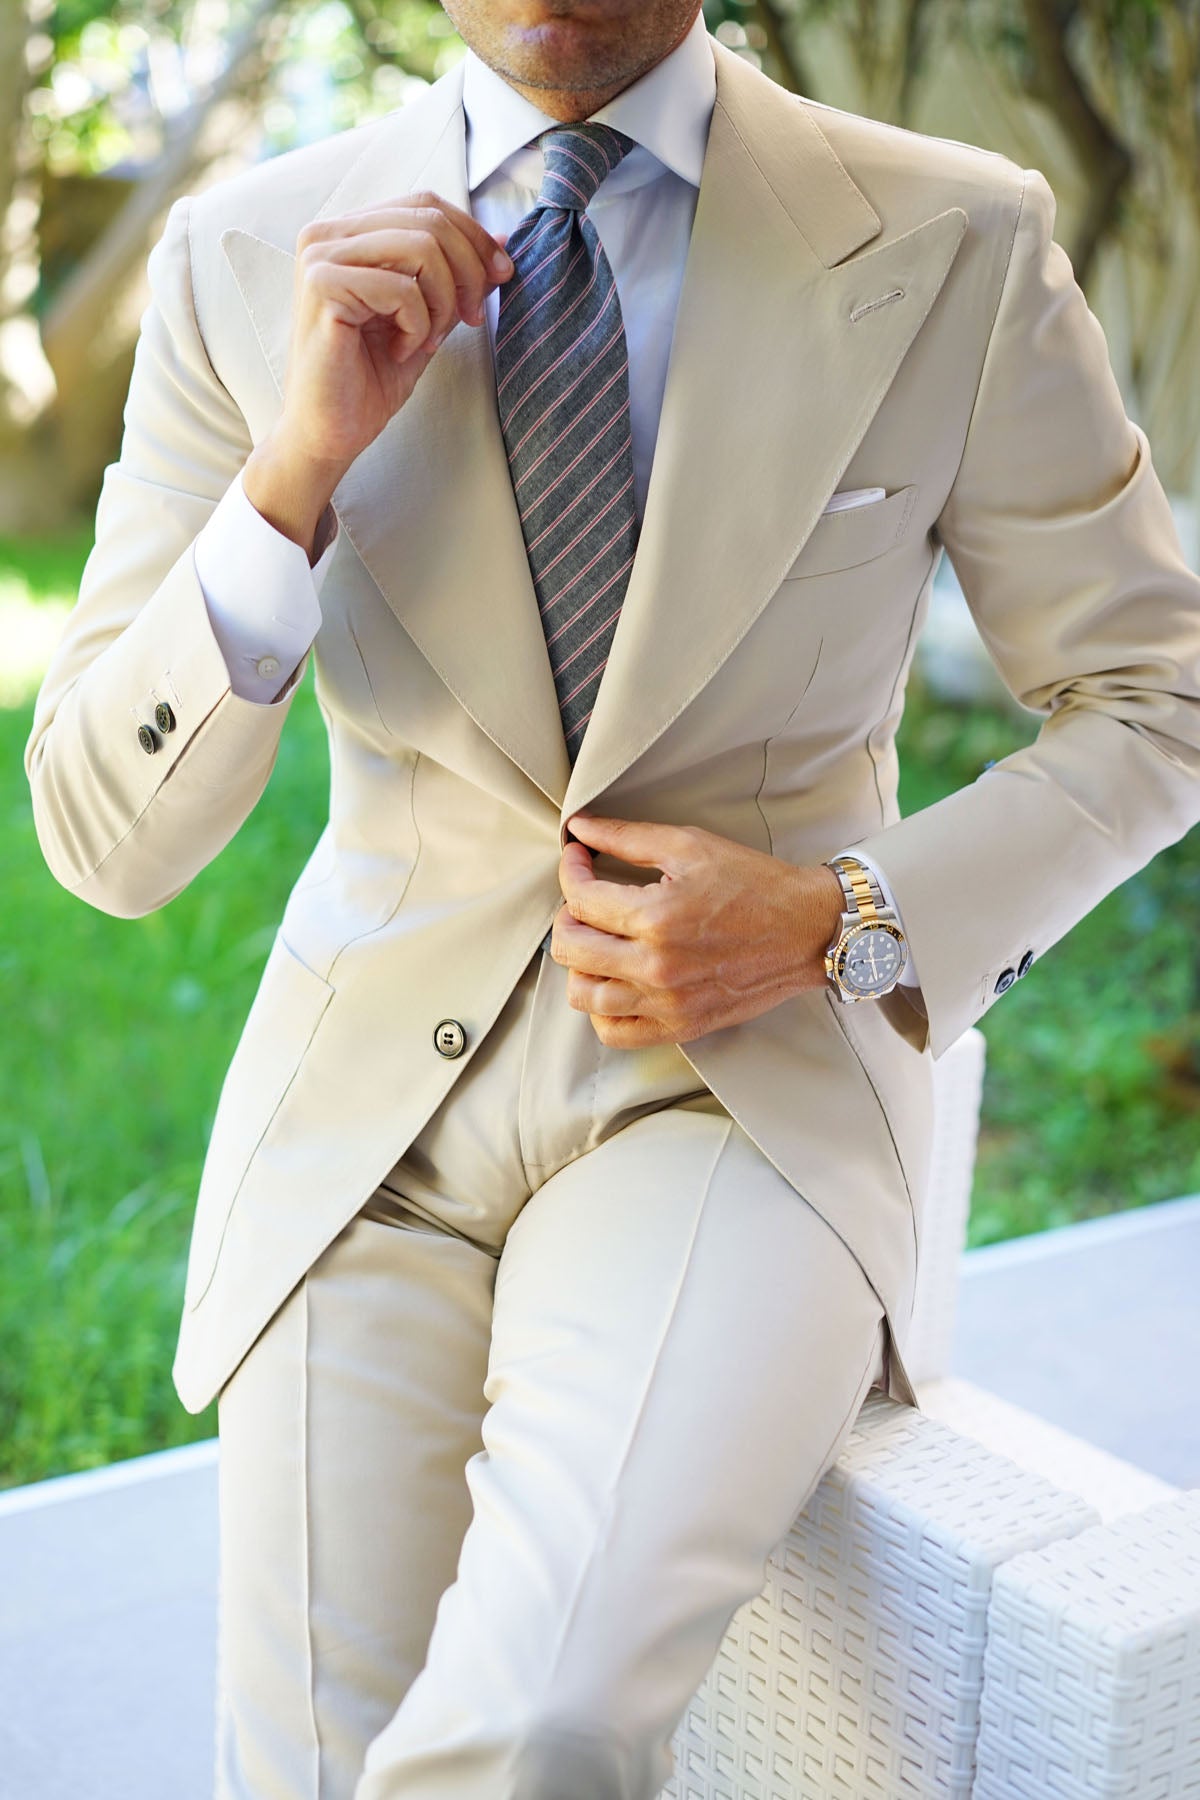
(498, 1473)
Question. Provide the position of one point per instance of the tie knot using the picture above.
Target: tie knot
(578, 157)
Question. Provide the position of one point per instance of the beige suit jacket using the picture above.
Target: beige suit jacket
(862, 306)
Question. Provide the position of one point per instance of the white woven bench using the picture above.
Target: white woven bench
(1091, 1669)
(858, 1671)
(934, 1589)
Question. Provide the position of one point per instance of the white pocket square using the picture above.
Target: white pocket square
(855, 497)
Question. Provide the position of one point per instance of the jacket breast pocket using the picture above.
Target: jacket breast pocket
(854, 535)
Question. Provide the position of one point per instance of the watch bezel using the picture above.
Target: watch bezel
(850, 934)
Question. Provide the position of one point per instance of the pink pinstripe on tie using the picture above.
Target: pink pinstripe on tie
(562, 375)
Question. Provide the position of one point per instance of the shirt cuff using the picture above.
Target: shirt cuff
(262, 595)
(910, 978)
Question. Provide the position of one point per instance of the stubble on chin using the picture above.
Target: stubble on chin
(564, 52)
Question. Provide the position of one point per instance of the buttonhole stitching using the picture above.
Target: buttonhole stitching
(857, 312)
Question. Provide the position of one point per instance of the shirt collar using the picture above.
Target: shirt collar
(666, 110)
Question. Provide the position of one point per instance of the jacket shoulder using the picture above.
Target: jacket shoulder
(908, 174)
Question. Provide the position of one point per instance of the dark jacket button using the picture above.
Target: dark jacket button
(1005, 980)
(164, 718)
(1026, 963)
(147, 740)
(449, 1037)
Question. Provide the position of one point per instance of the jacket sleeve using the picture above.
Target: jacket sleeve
(1068, 557)
(125, 821)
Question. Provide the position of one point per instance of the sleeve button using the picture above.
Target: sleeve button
(164, 718)
(147, 740)
(267, 665)
(1026, 963)
(1005, 980)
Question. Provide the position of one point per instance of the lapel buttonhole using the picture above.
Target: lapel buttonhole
(871, 305)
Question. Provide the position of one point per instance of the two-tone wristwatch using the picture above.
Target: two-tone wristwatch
(870, 953)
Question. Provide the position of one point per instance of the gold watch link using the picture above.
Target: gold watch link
(860, 886)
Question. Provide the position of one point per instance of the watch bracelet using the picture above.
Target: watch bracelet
(853, 911)
(848, 894)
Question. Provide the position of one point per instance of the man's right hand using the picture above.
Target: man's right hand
(375, 293)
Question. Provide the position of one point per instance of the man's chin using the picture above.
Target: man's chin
(553, 58)
(577, 53)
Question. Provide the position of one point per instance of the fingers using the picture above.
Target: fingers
(424, 210)
(593, 951)
(630, 1034)
(398, 253)
(636, 841)
(608, 997)
(613, 906)
(448, 253)
(355, 295)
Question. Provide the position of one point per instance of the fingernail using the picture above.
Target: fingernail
(502, 263)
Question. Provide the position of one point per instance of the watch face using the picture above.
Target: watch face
(872, 959)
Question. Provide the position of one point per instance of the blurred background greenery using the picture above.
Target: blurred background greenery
(119, 1031)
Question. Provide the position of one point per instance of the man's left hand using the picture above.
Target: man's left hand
(725, 933)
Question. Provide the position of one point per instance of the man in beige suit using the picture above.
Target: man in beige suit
(558, 1214)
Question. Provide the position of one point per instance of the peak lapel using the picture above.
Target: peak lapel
(771, 385)
(770, 388)
(429, 506)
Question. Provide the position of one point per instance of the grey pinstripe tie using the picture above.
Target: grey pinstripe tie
(562, 385)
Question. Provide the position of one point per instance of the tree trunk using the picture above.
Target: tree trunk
(782, 51)
(1104, 159)
(69, 327)
(18, 212)
(51, 468)
(14, 82)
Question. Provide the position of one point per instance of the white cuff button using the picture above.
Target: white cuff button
(267, 665)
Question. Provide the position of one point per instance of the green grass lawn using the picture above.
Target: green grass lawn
(119, 1032)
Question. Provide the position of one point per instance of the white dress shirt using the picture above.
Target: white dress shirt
(262, 596)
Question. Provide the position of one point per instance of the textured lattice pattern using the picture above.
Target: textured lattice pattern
(1092, 1666)
(856, 1673)
(1112, 1486)
(942, 1213)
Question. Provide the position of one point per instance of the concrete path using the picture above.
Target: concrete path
(108, 1631)
(1095, 1327)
